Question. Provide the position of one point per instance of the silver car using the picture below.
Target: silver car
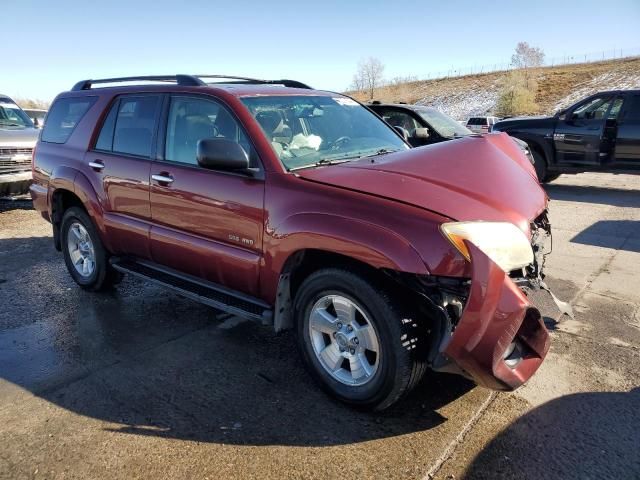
(18, 136)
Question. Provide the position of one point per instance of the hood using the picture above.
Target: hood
(515, 123)
(475, 178)
(19, 137)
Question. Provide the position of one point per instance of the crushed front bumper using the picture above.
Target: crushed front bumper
(496, 314)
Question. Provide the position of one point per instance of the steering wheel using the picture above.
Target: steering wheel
(337, 143)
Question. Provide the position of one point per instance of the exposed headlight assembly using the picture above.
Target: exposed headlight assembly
(502, 242)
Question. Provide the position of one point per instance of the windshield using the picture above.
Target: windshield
(11, 115)
(443, 124)
(307, 131)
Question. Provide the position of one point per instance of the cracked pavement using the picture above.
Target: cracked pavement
(141, 383)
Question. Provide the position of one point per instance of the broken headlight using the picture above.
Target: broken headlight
(502, 242)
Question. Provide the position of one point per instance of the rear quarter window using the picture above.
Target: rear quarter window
(477, 121)
(63, 117)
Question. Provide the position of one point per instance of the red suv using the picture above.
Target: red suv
(303, 209)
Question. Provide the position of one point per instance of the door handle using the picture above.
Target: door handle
(162, 178)
(97, 165)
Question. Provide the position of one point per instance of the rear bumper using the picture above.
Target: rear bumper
(39, 196)
(497, 313)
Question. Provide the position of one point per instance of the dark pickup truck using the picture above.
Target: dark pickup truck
(599, 133)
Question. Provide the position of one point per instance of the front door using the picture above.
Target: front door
(579, 132)
(121, 160)
(627, 150)
(205, 223)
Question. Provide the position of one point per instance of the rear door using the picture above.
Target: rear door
(121, 161)
(627, 149)
(578, 134)
(205, 223)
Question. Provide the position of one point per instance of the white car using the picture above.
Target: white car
(481, 124)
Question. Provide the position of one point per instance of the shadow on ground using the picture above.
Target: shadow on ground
(611, 234)
(586, 435)
(606, 196)
(17, 204)
(152, 363)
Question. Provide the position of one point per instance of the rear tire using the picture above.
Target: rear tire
(386, 359)
(84, 254)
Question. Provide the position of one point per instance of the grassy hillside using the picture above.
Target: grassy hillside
(469, 95)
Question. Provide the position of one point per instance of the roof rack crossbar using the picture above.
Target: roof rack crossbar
(186, 80)
(284, 82)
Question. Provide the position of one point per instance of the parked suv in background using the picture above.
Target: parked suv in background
(600, 133)
(37, 115)
(421, 125)
(481, 124)
(18, 136)
(302, 209)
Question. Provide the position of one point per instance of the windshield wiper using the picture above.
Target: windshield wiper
(382, 151)
(336, 161)
(323, 162)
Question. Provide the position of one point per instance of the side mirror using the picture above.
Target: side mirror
(421, 133)
(221, 154)
(403, 133)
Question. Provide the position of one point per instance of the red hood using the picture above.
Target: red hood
(474, 178)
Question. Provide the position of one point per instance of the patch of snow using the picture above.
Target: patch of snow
(478, 101)
(607, 81)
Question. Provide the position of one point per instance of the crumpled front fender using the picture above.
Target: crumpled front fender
(497, 312)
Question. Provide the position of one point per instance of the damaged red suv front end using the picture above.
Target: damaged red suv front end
(491, 332)
(500, 339)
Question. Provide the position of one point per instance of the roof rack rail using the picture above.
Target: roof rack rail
(284, 82)
(186, 80)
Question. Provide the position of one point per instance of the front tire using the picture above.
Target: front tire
(541, 168)
(356, 340)
(86, 258)
(540, 165)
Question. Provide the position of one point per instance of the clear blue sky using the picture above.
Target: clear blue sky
(49, 44)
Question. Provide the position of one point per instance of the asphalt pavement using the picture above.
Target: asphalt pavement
(142, 383)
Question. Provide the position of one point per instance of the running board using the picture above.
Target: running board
(197, 289)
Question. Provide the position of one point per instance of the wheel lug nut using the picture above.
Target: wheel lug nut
(352, 351)
(355, 341)
(339, 326)
(349, 328)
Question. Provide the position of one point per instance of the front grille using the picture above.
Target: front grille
(11, 151)
(14, 160)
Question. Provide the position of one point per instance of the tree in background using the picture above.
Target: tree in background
(32, 103)
(368, 76)
(518, 93)
(527, 57)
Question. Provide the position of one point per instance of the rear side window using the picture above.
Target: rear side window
(63, 117)
(477, 121)
(129, 126)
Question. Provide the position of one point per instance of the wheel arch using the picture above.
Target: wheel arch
(68, 188)
(539, 145)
